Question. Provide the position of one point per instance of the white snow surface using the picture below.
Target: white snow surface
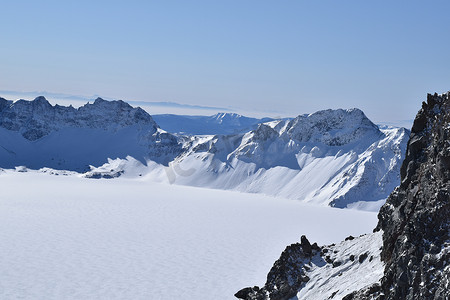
(65, 237)
(360, 175)
(331, 157)
(326, 280)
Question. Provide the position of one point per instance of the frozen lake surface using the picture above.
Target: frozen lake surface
(64, 237)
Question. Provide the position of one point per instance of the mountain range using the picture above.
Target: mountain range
(331, 157)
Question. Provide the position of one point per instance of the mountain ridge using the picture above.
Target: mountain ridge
(37, 118)
(331, 157)
(220, 123)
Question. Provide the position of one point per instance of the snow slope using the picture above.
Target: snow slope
(220, 123)
(65, 237)
(336, 158)
(331, 157)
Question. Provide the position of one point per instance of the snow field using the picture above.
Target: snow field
(65, 237)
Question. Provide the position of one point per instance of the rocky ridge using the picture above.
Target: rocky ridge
(37, 118)
(331, 127)
(415, 219)
(358, 161)
(37, 135)
(414, 223)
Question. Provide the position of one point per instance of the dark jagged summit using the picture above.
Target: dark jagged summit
(287, 274)
(414, 224)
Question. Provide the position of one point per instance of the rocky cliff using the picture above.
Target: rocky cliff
(415, 218)
(414, 223)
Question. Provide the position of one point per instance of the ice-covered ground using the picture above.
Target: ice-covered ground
(64, 237)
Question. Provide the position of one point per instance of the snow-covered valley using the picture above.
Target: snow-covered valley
(332, 157)
(100, 202)
(66, 237)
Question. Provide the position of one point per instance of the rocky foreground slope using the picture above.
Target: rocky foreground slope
(416, 218)
(414, 252)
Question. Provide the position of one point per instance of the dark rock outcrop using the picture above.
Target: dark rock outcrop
(415, 218)
(286, 276)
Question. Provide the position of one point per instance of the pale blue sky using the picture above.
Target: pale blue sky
(281, 57)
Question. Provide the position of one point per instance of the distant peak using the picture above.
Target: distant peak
(221, 114)
(99, 100)
(332, 126)
(40, 99)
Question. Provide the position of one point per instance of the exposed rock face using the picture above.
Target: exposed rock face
(310, 272)
(37, 135)
(37, 118)
(414, 222)
(331, 127)
(287, 274)
(415, 218)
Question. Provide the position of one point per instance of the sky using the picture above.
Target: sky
(272, 57)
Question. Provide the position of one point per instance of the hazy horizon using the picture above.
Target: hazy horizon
(160, 108)
(255, 56)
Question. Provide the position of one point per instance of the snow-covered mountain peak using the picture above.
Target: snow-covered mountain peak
(99, 100)
(264, 132)
(37, 118)
(41, 101)
(226, 116)
(332, 127)
(116, 113)
(332, 157)
(220, 123)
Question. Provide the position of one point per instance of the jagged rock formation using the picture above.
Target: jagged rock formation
(332, 127)
(415, 218)
(37, 118)
(37, 134)
(414, 224)
(287, 274)
(306, 271)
